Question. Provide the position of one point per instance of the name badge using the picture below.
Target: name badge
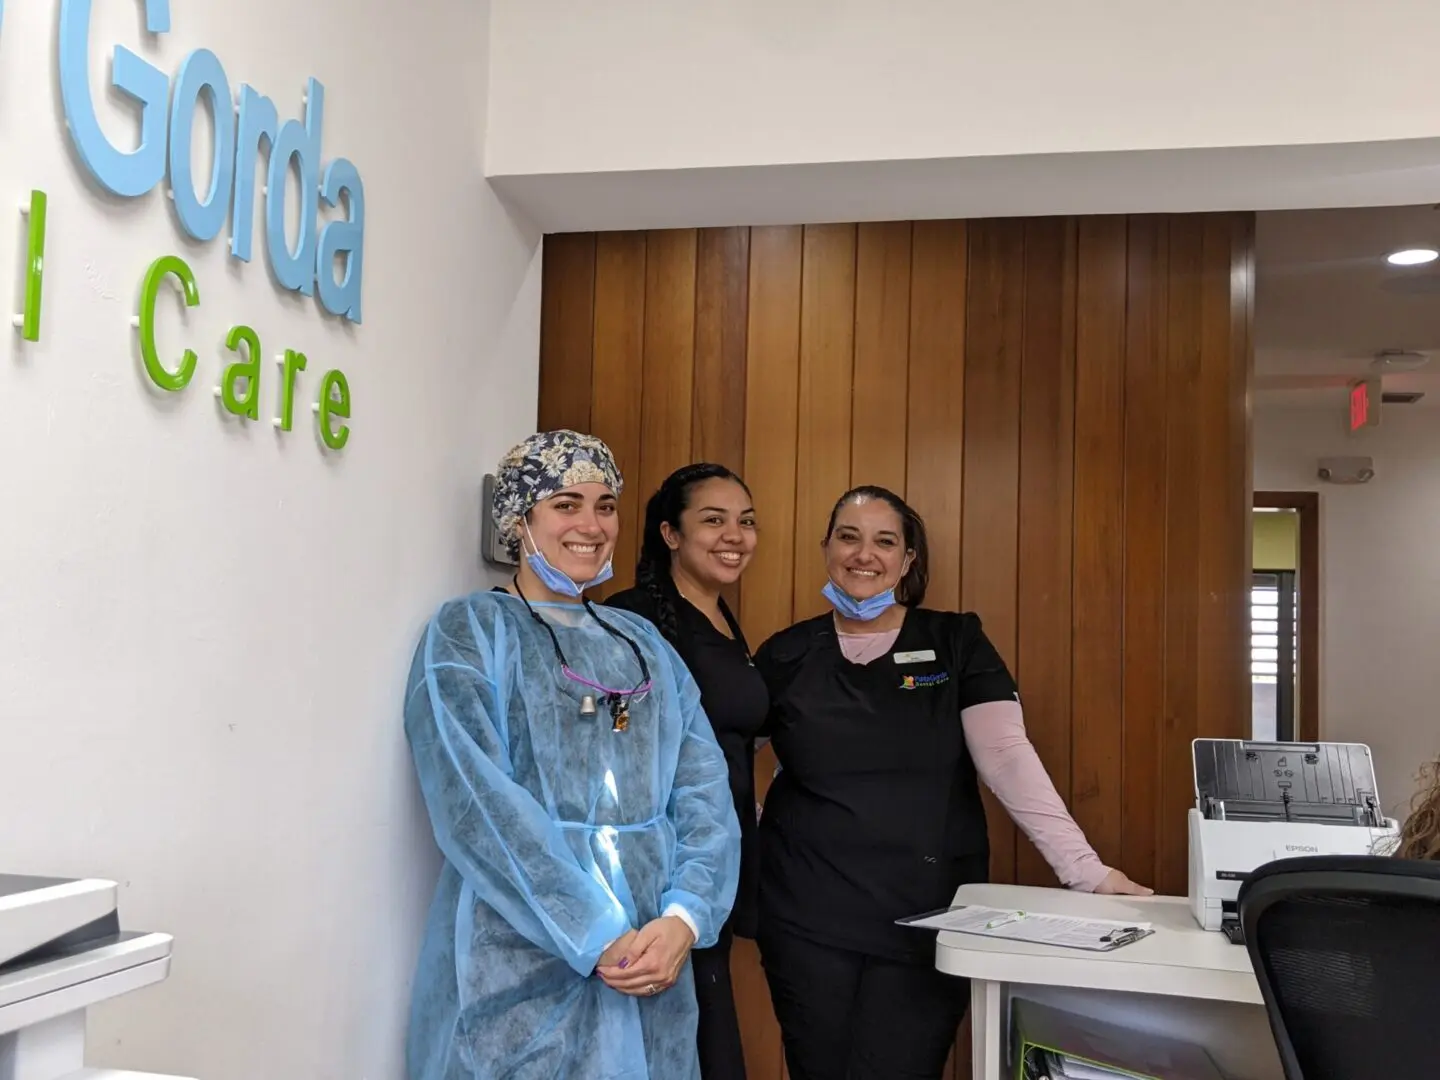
(924, 656)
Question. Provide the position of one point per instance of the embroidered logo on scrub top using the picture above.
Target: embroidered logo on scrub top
(920, 682)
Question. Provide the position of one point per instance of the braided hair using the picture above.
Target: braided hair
(652, 571)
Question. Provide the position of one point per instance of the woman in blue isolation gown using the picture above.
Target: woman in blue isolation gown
(579, 798)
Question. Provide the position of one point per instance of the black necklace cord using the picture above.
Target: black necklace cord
(590, 608)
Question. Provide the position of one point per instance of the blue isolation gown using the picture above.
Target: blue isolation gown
(559, 836)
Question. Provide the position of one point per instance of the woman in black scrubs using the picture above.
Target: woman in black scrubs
(885, 717)
(699, 537)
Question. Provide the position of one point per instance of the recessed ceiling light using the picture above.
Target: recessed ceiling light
(1412, 257)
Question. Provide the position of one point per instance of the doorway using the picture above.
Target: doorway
(1285, 617)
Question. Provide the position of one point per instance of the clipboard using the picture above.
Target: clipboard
(1035, 928)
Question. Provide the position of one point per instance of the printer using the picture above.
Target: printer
(61, 951)
(1256, 802)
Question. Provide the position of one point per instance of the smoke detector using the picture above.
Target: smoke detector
(1398, 360)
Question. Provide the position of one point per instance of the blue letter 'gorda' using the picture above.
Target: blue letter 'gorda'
(128, 174)
(307, 268)
(202, 72)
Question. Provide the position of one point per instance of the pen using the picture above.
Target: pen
(1013, 917)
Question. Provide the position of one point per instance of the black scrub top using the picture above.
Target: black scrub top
(876, 814)
(736, 702)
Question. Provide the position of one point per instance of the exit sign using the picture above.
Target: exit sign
(1364, 404)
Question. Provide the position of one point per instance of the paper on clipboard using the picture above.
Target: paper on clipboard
(1066, 931)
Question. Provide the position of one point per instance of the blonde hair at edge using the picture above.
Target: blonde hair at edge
(1420, 835)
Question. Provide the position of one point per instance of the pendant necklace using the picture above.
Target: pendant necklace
(616, 701)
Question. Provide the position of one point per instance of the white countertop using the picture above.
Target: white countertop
(76, 980)
(1179, 959)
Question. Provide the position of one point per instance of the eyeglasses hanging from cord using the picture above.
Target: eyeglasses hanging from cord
(617, 701)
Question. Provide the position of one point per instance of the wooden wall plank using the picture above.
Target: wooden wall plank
(764, 1054)
(1222, 629)
(1146, 497)
(771, 421)
(1185, 435)
(1046, 507)
(1242, 377)
(1097, 721)
(880, 422)
(767, 589)
(667, 389)
(935, 452)
(935, 380)
(618, 373)
(722, 299)
(994, 344)
(827, 358)
(567, 322)
(722, 296)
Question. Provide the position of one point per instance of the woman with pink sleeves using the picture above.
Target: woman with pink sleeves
(886, 717)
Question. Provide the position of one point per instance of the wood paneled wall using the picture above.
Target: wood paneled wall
(1065, 400)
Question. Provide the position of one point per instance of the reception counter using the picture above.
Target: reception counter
(1181, 981)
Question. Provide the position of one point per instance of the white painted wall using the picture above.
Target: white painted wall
(1380, 577)
(654, 84)
(205, 630)
(645, 114)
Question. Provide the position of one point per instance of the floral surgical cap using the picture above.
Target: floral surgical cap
(545, 463)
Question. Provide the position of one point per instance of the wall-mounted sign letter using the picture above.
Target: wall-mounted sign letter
(160, 269)
(136, 172)
(202, 73)
(291, 364)
(247, 369)
(342, 239)
(295, 269)
(258, 120)
(34, 265)
(334, 402)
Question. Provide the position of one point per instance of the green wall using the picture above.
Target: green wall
(1277, 540)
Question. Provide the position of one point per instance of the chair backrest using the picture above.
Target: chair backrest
(1347, 952)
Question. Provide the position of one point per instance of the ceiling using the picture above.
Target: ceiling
(1326, 301)
(1396, 172)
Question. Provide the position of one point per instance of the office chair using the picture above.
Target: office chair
(1347, 952)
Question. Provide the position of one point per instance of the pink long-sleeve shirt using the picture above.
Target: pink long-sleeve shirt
(1007, 763)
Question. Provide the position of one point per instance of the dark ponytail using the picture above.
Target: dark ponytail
(652, 571)
(911, 589)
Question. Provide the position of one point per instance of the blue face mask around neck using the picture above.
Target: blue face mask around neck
(555, 580)
(860, 610)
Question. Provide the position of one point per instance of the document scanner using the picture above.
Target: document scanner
(61, 951)
(1256, 802)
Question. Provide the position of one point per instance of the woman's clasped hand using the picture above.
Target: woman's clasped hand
(646, 961)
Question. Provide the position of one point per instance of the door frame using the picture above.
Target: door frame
(1306, 504)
